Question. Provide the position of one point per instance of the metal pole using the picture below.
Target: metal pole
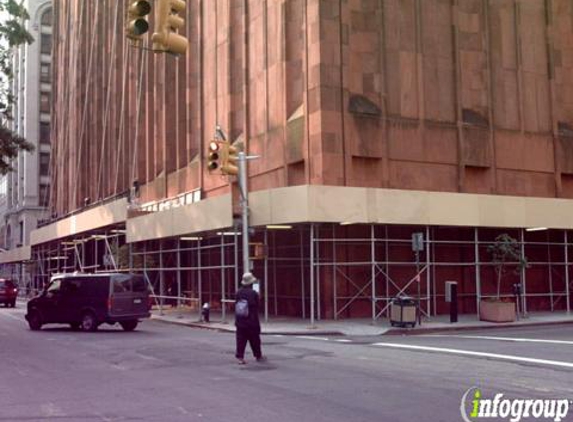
(477, 269)
(161, 281)
(334, 278)
(243, 186)
(223, 274)
(179, 273)
(302, 275)
(428, 272)
(567, 297)
(523, 274)
(199, 279)
(373, 271)
(265, 282)
(312, 275)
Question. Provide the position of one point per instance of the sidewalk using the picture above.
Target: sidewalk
(355, 327)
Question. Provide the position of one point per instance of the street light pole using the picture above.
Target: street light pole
(244, 201)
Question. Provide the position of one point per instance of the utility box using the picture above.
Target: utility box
(452, 299)
(403, 312)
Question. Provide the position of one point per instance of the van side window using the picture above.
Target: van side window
(70, 287)
(121, 285)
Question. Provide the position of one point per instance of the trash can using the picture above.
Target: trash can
(403, 312)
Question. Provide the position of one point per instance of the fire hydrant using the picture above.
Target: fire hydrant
(205, 311)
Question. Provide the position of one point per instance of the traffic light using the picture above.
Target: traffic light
(137, 24)
(214, 156)
(229, 159)
(167, 22)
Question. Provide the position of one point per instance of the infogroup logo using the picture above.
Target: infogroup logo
(475, 407)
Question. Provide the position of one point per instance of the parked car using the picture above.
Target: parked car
(8, 292)
(85, 301)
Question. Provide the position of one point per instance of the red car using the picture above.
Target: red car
(8, 292)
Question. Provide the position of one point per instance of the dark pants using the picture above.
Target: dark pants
(252, 336)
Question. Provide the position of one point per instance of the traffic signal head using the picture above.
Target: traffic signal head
(168, 21)
(229, 159)
(213, 156)
(137, 24)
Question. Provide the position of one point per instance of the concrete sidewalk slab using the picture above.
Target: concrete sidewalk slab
(357, 327)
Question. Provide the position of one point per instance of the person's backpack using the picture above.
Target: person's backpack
(242, 308)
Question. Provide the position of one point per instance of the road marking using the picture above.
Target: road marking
(343, 340)
(313, 338)
(523, 340)
(478, 354)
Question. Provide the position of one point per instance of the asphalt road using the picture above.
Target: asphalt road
(164, 373)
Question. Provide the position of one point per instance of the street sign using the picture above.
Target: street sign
(417, 241)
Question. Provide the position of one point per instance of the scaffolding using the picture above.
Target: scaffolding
(322, 270)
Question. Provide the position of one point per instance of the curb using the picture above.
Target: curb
(431, 330)
(389, 332)
(231, 329)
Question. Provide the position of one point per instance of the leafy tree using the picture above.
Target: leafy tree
(505, 251)
(12, 35)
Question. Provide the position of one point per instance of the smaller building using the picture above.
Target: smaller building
(24, 193)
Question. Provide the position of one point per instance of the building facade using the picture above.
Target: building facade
(24, 193)
(374, 120)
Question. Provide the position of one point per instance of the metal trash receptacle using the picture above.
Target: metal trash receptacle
(403, 312)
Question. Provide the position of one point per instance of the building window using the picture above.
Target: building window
(44, 164)
(44, 133)
(45, 102)
(44, 199)
(21, 242)
(46, 44)
(45, 73)
(47, 18)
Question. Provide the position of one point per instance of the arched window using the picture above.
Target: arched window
(47, 18)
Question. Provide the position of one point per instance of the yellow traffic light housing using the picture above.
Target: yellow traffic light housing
(213, 156)
(229, 159)
(137, 24)
(167, 22)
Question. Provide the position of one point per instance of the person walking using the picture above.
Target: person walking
(247, 320)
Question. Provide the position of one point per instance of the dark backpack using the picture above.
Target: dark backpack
(242, 308)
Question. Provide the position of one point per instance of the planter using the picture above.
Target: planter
(496, 311)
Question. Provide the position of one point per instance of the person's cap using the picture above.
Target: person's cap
(248, 279)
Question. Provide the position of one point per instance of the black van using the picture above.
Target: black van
(87, 300)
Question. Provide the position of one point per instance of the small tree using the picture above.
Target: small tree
(505, 251)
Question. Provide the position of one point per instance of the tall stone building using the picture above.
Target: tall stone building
(373, 120)
(24, 193)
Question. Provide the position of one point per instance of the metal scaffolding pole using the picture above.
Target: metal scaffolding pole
(302, 274)
(334, 276)
(477, 270)
(161, 285)
(373, 271)
(318, 313)
(523, 274)
(179, 272)
(266, 277)
(276, 304)
(223, 286)
(567, 293)
(312, 275)
(199, 278)
(428, 273)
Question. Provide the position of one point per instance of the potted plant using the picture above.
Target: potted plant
(505, 253)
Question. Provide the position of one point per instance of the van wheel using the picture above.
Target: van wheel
(129, 325)
(34, 321)
(89, 322)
